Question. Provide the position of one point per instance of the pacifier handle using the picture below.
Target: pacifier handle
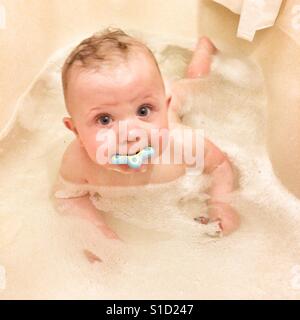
(133, 161)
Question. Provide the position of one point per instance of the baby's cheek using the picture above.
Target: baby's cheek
(159, 139)
(98, 142)
(91, 149)
(91, 145)
(101, 152)
(163, 122)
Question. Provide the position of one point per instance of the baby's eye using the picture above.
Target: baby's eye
(144, 110)
(104, 119)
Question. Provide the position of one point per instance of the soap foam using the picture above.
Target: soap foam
(44, 253)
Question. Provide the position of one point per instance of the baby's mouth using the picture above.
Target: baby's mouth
(128, 154)
(133, 153)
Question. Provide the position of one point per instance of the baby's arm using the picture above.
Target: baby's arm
(72, 170)
(217, 164)
(83, 207)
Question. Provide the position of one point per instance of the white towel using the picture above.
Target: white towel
(255, 15)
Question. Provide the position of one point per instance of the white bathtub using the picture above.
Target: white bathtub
(43, 253)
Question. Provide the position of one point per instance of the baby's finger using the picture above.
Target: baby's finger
(202, 220)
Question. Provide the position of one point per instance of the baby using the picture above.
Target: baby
(112, 81)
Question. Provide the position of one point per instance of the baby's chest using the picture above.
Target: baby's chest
(159, 174)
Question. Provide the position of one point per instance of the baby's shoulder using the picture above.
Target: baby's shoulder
(74, 163)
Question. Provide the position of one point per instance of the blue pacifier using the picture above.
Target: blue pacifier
(133, 161)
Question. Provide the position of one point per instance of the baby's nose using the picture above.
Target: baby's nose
(131, 133)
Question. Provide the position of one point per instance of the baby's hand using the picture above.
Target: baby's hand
(223, 214)
(226, 215)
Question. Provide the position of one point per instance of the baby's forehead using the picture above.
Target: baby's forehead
(124, 81)
(134, 69)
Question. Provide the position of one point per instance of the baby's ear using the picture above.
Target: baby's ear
(168, 100)
(68, 122)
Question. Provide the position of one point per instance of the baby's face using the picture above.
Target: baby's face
(128, 100)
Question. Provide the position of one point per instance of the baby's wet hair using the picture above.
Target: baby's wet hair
(106, 48)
